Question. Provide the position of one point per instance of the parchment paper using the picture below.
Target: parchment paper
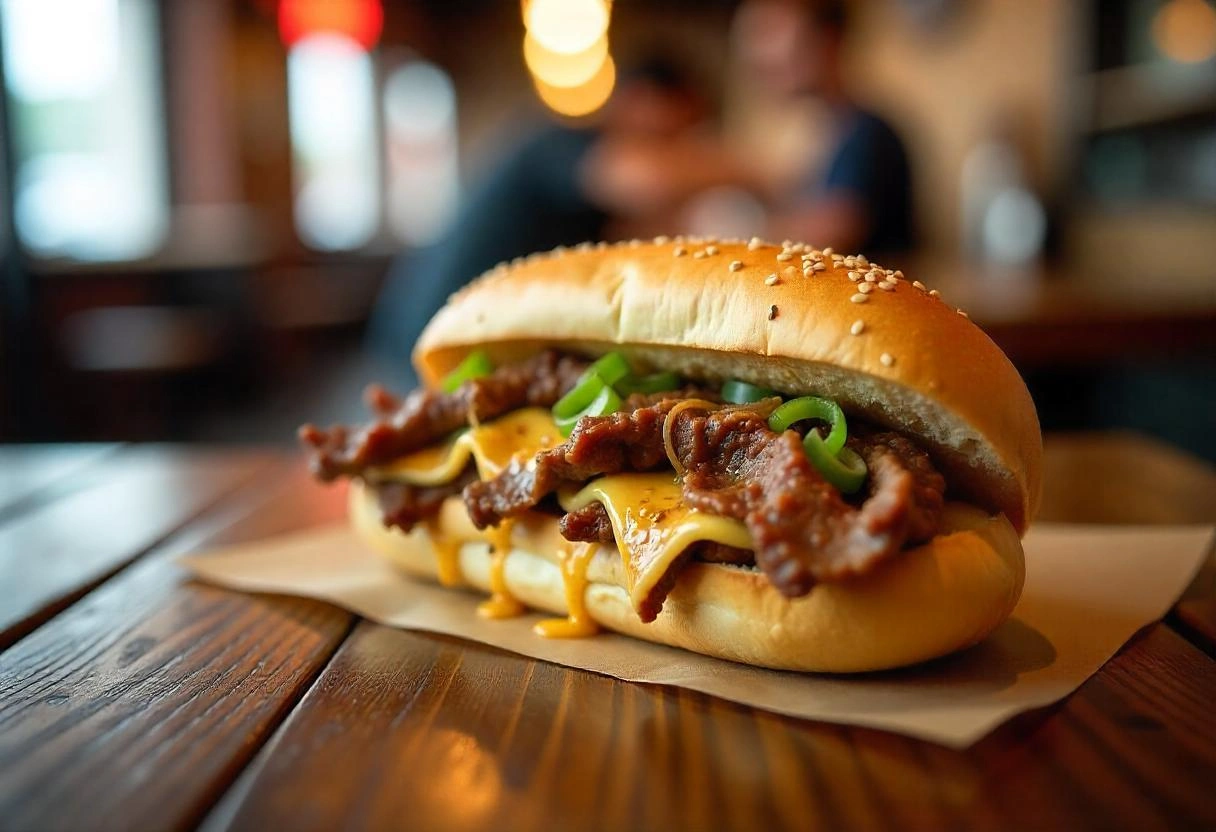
(1088, 590)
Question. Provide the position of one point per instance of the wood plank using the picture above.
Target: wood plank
(58, 551)
(27, 471)
(135, 708)
(405, 727)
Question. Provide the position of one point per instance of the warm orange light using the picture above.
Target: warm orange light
(566, 26)
(359, 20)
(1185, 30)
(559, 70)
(583, 99)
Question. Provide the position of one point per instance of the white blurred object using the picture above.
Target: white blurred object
(83, 79)
(332, 116)
(423, 170)
(1003, 221)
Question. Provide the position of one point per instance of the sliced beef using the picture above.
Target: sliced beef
(425, 416)
(589, 524)
(628, 440)
(802, 528)
(404, 506)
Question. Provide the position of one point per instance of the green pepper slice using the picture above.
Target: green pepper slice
(740, 392)
(845, 470)
(605, 402)
(813, 407)
(475, 365)
(653, 383)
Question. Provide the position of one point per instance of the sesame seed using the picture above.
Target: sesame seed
(772, 280)
(865, 288)
(735, 265)
(861, 258)
(661, 239)
(819, 267)
(859, 298)
(918, 285)
(754, 243)
(828, 251)
(887, 286)
(786, 243)
(850, 262)
(635, 242)
(583, 247)
(899, 274)
(854, 276)
(871, 277)
(679, 251)
(697, 255)
(961, 312)
(711, 250)
(784, 256)
(933, 293)
(772, 312)
(858, 327)
(887, 359)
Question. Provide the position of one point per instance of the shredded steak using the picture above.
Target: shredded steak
(426, 416)
(404, 505)
(803, 530)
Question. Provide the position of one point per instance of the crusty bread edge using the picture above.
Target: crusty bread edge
(932, 600)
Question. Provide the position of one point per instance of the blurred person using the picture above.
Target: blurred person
(852, 186)
(538, 197)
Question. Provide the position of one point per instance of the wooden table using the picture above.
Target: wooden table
(133, 698)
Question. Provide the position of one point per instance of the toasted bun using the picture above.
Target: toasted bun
(932, 600)
(712, 310)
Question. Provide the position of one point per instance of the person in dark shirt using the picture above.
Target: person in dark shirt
(861, 200)
(858, 199)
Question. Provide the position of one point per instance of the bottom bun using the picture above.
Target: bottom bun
(929, 601)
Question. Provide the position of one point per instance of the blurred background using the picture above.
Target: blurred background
(219, 218)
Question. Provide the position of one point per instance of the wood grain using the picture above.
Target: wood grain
(406, 727)
(119, 508)
(137, 706)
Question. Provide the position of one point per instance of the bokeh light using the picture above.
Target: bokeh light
(583, 99)
(1185, 30)
(560, 70)
(566, 51)
(566, 26)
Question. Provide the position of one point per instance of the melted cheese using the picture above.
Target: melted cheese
(501, 604)
(447, 556)
(492, 446)
(652, 525)
(574, 560)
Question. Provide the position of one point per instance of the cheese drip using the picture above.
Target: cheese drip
(492, 446)
(447, 556)
(520, 435)
(501, 604)
(574, 560)
(652, 525)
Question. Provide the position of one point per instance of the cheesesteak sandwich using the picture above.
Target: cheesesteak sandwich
(773, 454)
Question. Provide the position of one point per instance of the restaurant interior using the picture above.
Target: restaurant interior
(220, 219)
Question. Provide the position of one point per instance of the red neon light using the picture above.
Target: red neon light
(360, 20)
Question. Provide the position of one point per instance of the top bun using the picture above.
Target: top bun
(715, 309)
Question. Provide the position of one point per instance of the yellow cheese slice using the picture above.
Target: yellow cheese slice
(491, 446)
(652, 525)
